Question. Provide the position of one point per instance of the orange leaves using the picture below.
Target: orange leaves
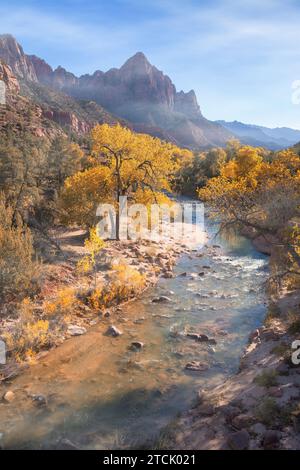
(122, 163)
(83, 192)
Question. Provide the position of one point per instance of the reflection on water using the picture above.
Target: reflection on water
(105, 396)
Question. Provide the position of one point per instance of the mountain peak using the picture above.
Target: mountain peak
(138, 57)
(8, 38)
(138, 63)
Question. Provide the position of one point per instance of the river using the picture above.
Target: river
(102, 395)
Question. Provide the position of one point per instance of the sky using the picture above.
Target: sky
(240, 56)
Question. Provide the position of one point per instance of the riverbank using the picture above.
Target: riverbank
(66, 300)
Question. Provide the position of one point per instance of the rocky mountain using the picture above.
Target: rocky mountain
(137, 92)
(19, 114)
(45, 112)
(273, 139)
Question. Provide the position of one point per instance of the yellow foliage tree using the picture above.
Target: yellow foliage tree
(123, 164)
(94, 244)
(261, 195)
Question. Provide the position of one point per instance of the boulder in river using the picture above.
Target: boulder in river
(39, 400)
(271, 439)
(9, 396)
(202, 338)
(113, 331)
(194, 336)
(162, 298)
(196, 366)
(136, 346)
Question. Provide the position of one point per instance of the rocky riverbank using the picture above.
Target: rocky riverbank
(62, 285)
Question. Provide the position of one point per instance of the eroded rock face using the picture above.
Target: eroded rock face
(13, 55)
(67, 119)
(7, 76)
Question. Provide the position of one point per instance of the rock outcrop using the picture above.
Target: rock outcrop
(13, 55)
(11, 82)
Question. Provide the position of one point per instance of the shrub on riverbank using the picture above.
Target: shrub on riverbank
(124, 283)
(29, 335)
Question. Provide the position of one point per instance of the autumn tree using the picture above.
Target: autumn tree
(122, 163)
(262, 196)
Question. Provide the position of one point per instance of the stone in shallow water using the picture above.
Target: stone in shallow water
(39, 400)
(113, 331)
(9, 396)
(136, 345)
(162, 298)
(196, 366)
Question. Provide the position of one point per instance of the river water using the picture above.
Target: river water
(102, 395)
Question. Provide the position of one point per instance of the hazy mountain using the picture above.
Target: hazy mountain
(274, 139)
(137, 92)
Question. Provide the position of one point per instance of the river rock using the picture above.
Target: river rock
(39, 400)
(113, 331)
(230, 412)
(136, 345)
(196, 366)
(239, 440)
(193, 275)
(9, 396)
(206, 409)
(242, 421)
(194, 336)
(75, 330)
(202, 338)
(201, 274)
(271, 439)
(162, 298)
(258, 428)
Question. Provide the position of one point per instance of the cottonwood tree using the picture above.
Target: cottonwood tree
(261, 196)
(123, 163)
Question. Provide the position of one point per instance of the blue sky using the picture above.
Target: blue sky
(240, 56)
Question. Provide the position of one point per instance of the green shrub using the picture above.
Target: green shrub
(267, 378)
(18, 269)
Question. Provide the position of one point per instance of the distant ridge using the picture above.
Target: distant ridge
(272, 138)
